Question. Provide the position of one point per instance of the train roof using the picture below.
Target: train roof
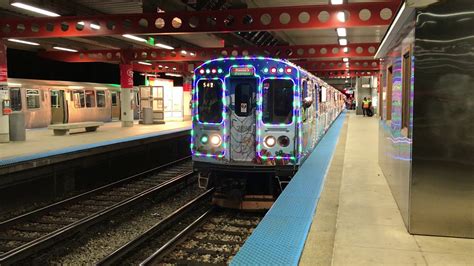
(223, 59)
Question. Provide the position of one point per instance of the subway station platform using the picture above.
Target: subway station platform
(42, 143)
(339, 210)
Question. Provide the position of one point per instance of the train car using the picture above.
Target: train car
(46, 102)
(255, 121)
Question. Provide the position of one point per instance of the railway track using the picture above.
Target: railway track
(214, 238)
(31, 232)
(194, 234)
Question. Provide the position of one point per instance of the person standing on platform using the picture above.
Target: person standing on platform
(365, 106)
(369, 109)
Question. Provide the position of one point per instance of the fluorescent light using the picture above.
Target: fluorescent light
(347, 64)
(23, 42)
(14, 84)
(65, 49)
(345, 49)
(347, 81)
(173, 75)
(336, 2)
(167, 67)
(94, 26)
(342, 41)
(135, 38)
(144, 63)
(192, 54)
(160, 66)
(341, 16)
(164, 46)
(399, 14)
(345, 59)
(341, 32)
(35, 9)
(183, 52)
(174, 68)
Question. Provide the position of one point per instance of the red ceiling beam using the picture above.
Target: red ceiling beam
(203, 54)
(232, 20)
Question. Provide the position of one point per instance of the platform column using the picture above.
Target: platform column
(4, 95)
(126, 84)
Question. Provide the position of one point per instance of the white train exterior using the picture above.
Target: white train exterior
(46, 102)
(259, 115)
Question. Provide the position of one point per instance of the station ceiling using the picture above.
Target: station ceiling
(368, 28)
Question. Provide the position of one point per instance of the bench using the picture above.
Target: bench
(63, 129)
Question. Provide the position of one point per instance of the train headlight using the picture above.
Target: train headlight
(269, 141)
(216, 140)
(204, 139)
(284, 141)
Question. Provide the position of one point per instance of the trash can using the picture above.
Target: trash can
(147, 116)
(17, 126)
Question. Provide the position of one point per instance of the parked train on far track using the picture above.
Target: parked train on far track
(46, 102)
(255, 121)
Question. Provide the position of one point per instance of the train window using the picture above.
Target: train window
(79, 99)
(100, 98)
(406, 88)
(114, 99)
(210, 103)
(243, 99)
(305, 94)
(277, 101)
(55, 99)
(15, 99)
(90, 98)
(323, 94)
(32, 99)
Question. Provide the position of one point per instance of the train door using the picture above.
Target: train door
(115, 105)
(242, 118)
(58, 107)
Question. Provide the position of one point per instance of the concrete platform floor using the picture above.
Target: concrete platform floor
(358, 222)
(42, 139)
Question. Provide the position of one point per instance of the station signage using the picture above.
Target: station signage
(242, 71)
(126, 76)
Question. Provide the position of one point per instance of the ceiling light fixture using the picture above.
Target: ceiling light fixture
(342, 41)
(93, 26)
(135, 38)
(183, 52)
(144, 63)
(345, 49)
(341, 16)
(23, 42)
(64, 49)
(345, 59)
(35, 9)
(341, 32)
(173, 75)
(164, 46)
(336, 2)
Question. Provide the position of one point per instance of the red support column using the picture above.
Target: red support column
(126, 84)
(4, 95)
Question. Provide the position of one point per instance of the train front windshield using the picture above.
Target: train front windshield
(277, 101)
(210, 93)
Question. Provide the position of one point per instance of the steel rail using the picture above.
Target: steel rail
(53, 237)
(58, 204)
(126, 249)
(181, 236)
